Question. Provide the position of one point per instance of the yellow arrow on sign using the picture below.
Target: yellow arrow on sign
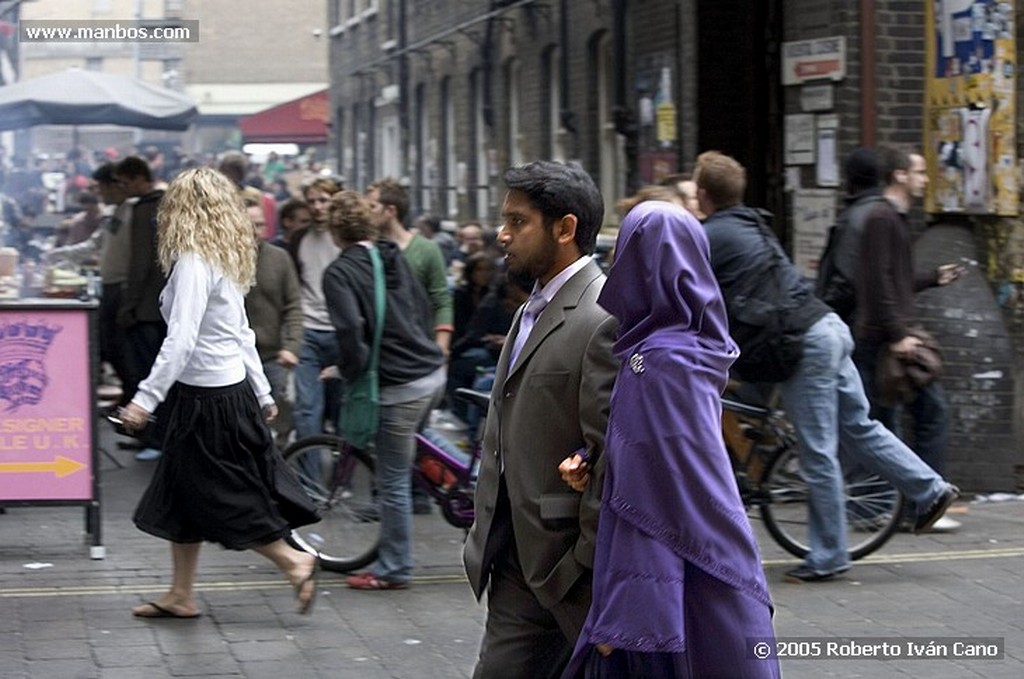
(61, 466)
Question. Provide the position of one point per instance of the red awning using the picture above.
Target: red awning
(300, 121)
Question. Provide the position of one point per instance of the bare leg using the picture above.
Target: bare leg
(298, 566)
(180, 600)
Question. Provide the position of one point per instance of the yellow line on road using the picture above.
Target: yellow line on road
(911, 557)
(231, 585)
(329, 581)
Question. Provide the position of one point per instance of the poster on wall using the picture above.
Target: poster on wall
(46, 406)
(970, 143)
(814, 211)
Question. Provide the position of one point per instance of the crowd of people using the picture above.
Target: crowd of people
(610, 537)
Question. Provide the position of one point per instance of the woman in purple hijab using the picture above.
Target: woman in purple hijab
(678, 586)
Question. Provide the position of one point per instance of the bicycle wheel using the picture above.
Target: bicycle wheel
(340, 480)
(872, 513)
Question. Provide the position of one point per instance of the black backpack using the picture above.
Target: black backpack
(760, 321)
(837, 269)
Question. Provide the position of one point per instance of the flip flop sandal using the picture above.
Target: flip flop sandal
(161, 612)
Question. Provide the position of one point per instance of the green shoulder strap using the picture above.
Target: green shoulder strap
(380, 306)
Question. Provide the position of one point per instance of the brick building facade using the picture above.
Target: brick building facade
(446, 94)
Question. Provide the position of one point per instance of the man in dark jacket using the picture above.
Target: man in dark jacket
(837, 273)
(824, 398)
(886, 283)
(139, 313)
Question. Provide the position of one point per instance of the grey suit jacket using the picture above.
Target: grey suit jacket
(554, 402)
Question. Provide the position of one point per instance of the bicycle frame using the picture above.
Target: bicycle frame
(456, 497)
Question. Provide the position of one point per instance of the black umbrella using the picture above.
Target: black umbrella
(77, 97)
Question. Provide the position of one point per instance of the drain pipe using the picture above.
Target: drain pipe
(867, 72)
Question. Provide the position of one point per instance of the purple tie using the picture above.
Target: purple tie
(534, 306)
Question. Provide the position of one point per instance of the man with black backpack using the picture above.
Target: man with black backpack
(837, 272)
(769, 304)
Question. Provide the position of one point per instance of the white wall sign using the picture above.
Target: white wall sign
(799, 139)
(814, 211)
(820, 59)
(817, 98)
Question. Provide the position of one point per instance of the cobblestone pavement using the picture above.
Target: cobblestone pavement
(65, 615)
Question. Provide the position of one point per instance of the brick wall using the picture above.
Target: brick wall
(985, 365)
(979, 375)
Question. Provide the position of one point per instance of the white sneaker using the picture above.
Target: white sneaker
(944, 525)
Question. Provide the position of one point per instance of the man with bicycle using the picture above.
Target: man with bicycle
(823, 397)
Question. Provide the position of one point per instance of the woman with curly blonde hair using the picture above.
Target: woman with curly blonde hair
(220, 478)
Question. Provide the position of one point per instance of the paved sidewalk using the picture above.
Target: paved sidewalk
(64, 615)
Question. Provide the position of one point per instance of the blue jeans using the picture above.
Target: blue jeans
(826, 403)
(396, 449)
(319, 350)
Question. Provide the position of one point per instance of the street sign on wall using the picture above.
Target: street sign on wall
(819, 59)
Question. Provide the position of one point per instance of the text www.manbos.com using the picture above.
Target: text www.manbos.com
(46, 30)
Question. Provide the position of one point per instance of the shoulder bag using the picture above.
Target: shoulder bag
(360, 410)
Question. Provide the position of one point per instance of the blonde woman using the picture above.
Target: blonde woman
(216, 480)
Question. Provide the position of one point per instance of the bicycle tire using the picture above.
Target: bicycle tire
(340, 481)
(872, 508)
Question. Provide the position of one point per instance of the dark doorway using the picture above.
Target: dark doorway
(739, 95)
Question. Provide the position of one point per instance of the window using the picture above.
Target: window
(448, 162)
(612, 148)
(482, 193)
(556, 134)
(515, 152)
(389, 141)
(423, 161)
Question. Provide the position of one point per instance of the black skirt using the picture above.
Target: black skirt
(220, 478)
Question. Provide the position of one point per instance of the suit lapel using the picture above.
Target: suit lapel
(568, 297)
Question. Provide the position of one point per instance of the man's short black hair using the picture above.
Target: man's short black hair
(133, 167)
(559, 189)
(104, 174)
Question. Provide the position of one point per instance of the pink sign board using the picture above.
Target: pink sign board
(45, 405)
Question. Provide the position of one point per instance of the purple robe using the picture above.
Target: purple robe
(671, 514)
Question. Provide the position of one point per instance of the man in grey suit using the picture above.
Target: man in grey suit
(532, 544)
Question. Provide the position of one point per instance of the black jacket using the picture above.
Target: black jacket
(408, 350)
(140, 300)
(837, 273)
(741, 260)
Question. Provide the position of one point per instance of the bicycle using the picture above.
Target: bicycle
(341, 481)
(765, 456)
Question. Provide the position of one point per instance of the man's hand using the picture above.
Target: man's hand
(575, 472)
(287, 359)
(331, 372)
(905, 347)
(947, 273)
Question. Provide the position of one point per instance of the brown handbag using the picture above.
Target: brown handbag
(899, 379)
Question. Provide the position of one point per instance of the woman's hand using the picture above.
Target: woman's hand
(134, 418)
(604, 649)
(575, 472)
(270, 412)
(331, 372)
